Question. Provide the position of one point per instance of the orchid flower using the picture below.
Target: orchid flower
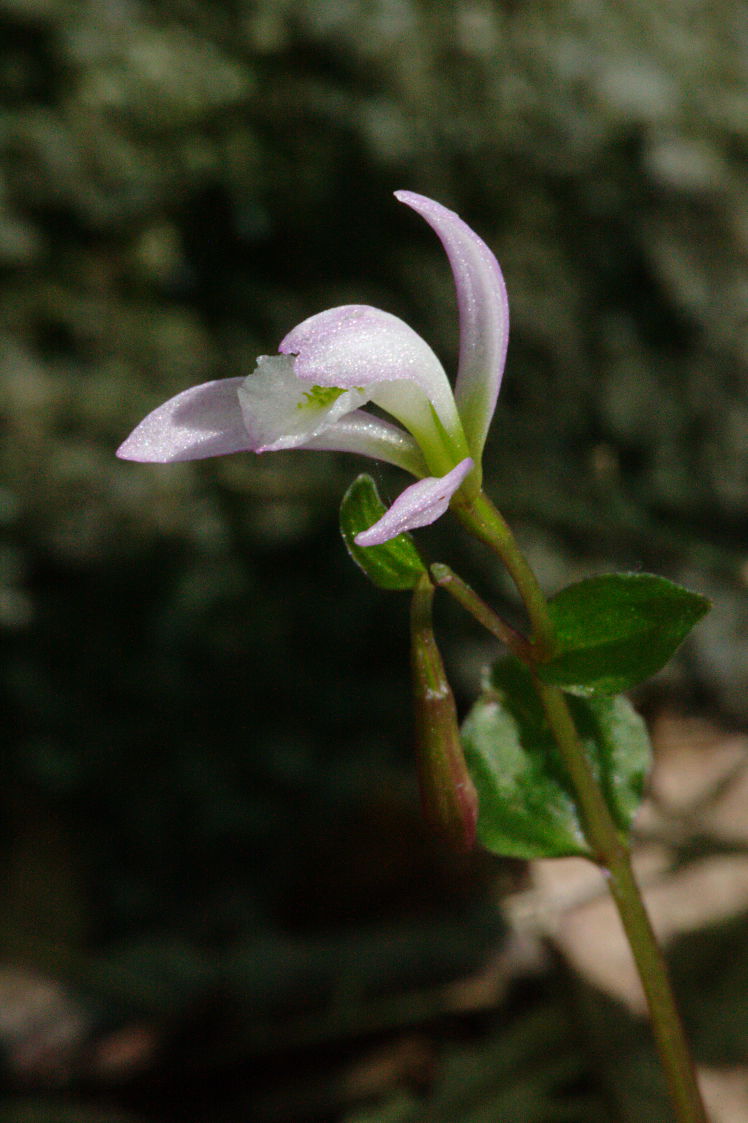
(311, 394)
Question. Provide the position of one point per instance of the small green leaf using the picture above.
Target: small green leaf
(526, 803)
(617, 630)
(393, 565)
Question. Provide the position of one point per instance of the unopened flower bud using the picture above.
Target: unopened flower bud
(448, 795)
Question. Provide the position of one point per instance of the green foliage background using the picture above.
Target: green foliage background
(196, 683)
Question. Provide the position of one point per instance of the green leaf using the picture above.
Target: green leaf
(617, 630)
(393, 565)
(526, 805)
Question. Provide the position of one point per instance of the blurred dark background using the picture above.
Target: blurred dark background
(211, 859)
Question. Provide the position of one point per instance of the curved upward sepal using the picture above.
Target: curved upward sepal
(484, 316)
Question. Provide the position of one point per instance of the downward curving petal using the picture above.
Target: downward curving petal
(484, 316)
(419, 505)
(358, 346)
(202, 421)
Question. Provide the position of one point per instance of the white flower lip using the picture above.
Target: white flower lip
(282, 411)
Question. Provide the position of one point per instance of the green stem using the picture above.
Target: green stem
(447, 579)
(608, 848)
(612, 854)
(485, 522)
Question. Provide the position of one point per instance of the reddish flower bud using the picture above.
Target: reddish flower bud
(448, 795)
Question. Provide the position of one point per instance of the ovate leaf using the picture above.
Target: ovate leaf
(616, 630)
(526, 803)
(393, 565)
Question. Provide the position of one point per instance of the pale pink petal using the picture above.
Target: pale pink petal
(356, 346)
(419, 505)
(203, 421)
(363, 433)
(484, 316)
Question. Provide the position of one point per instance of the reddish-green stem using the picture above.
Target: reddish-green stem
(485, 522)
(448, 580)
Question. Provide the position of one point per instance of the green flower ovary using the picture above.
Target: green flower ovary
(319, 397)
